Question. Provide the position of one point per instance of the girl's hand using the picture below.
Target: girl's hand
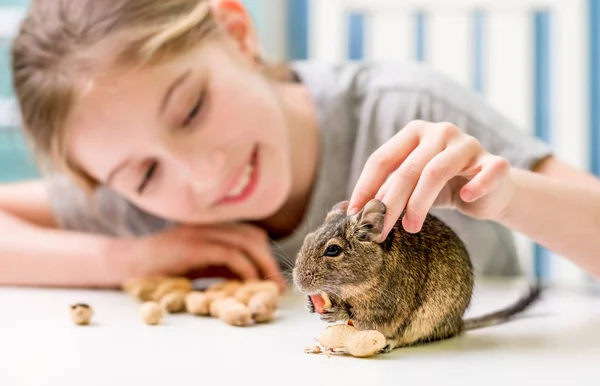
(241, 249)
(433, 165)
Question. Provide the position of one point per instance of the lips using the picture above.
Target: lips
(244, 183)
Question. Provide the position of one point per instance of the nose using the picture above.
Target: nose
(303, 277)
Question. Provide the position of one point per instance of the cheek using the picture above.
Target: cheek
(247, 107)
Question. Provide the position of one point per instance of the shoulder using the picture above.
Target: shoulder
(361, 80)
(381, 97)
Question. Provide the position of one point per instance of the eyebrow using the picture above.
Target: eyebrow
(112, 174)
(172, 88)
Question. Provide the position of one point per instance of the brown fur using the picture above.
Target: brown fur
(413, 288)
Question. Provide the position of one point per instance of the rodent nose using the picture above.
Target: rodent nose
(309, 275)
(303, 277)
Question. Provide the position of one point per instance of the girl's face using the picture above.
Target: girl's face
(199, 139)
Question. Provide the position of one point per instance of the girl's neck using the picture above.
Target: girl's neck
(304, 152)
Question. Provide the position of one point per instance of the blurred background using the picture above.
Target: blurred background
(537, 61)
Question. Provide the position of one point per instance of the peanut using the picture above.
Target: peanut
(231, 311)
(81, 314)
(171, 284)
(173, 302)
(152, 312)
(262, 306)
(358, 343)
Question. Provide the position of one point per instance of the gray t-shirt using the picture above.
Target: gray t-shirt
(360, 106)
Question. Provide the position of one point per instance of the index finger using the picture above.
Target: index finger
(380, 165)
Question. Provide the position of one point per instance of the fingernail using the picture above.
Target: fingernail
(408, 225)
(352, 211)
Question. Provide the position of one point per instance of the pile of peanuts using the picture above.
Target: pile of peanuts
(235, 302)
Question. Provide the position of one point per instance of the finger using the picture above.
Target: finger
(381, 163)
(257, 244)
(493, 170)
(403, 182)
(231, 258)
(436, 174)
(384, 189)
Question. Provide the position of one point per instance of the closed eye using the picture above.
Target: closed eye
(194, 111)
(147, 177)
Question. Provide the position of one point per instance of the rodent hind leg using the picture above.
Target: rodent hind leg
(427, 324)
(449, 328)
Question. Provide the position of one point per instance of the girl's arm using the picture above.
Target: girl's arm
(561, 215)
(28, 201)
(555, 168)
(31, 255)
(34, 252)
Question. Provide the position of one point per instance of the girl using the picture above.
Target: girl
(174, 147)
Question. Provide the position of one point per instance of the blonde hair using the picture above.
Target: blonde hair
(54, 52)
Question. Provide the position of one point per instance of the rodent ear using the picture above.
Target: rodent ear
(339, 208)
(370, 220)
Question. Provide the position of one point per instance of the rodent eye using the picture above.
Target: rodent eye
(333, 250)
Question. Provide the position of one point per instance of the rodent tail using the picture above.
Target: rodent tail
(504, 315)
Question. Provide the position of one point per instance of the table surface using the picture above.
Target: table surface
(557, 342)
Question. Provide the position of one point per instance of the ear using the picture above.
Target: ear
(339, 208)
(234, 18)
(370, 220)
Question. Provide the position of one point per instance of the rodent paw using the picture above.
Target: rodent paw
(308, 304)
(334, 314)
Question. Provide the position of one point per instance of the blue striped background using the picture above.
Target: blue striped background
(420, 25)
(297, 33)
(356, 36)
(594, 88)
(593, 26)
(16, 162)
(542, 106)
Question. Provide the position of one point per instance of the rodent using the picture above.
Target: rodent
(413, 288)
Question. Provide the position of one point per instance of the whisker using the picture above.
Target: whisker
(285, 260)
(283, 256)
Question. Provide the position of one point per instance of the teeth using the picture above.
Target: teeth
(242, 182)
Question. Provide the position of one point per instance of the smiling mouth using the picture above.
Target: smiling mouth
(246, 182)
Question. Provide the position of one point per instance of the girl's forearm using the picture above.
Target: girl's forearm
(561, 217)
(35, 256)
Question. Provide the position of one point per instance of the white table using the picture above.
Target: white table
(559, 343)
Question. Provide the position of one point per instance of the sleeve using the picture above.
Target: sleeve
(444, 100)
(105, 212)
